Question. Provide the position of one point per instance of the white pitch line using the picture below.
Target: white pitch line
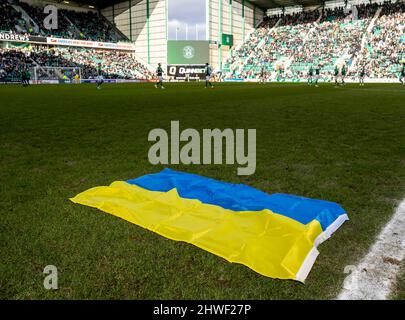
(374, 276)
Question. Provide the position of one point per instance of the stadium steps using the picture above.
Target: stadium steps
(242, 43)
(319, 18)
(364, 40)
(290, 59)
(77, 30)
(372, 23)
(28, 20)
(246, 59)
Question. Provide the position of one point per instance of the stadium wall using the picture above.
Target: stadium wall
(145, 24)
(235, 17)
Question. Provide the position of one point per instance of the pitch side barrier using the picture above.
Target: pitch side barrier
(240, 80)
(305, 80)
(74, 82)
(116, 80)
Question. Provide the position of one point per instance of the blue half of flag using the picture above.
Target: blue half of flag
(240, 197)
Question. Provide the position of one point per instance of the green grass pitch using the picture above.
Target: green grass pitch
(340, 144)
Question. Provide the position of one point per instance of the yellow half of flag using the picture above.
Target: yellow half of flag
(271, 244)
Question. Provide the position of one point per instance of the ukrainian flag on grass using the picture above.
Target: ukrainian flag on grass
(240, 197)
(232, 221)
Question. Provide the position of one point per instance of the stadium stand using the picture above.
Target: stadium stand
(65, 28)
(288, 45)
(23, 18)
(384, 45)
(116, 64)
(83, 25)
(92, 26)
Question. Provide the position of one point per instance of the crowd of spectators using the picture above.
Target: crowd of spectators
(333, 14)
(92, 26)
(87, 25)
(290, 44)
(333, 39)
(367, 10)
(299, 18)
(385, 43)
(115, 64)
(12, 62)
(237, 60)
(9, 17)
(275, 40)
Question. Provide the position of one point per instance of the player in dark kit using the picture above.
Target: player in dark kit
(343, 71)
(159, 74)
(208, 72)
(100, 79)
(25, 77)
(310, 74)
(317, 74)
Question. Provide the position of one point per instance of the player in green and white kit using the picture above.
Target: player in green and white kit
(262, 75)
(362, 74)
(207, 72)
(159, 74)
(317, 74)
(336, 74)
(100, 78)
(310, 74)
(343, 74)
(402, 74)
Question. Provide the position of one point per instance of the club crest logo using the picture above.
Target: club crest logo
(188, 52)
